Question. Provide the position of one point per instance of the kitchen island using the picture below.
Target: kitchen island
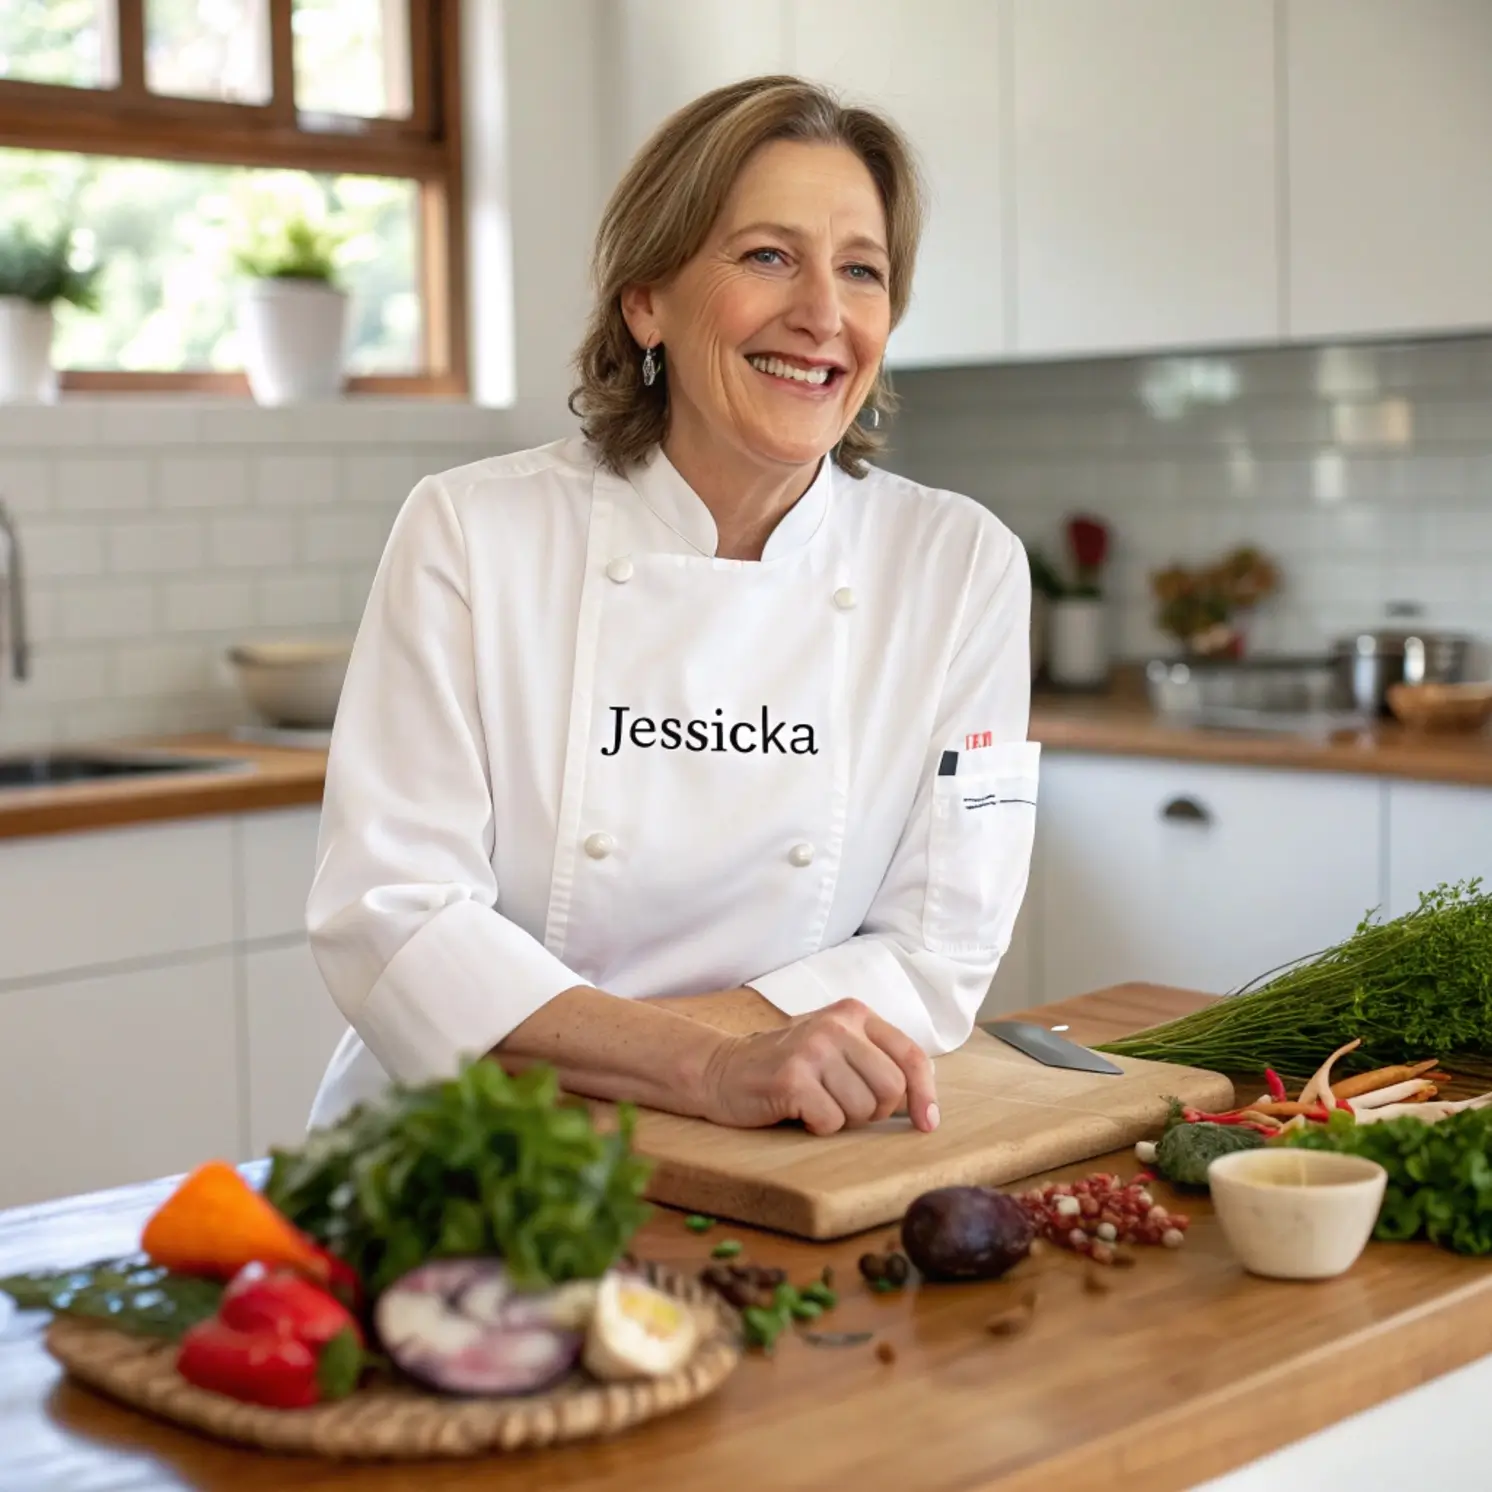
(1184, 1369)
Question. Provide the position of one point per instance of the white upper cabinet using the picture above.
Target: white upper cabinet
(667, 52)
(1390, 119)
(1145, 174)
(935, 69)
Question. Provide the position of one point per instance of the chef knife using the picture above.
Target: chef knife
(1048, 1047)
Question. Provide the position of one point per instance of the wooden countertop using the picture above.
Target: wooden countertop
(1186, 1369)
(270, 777)
(1122, 723)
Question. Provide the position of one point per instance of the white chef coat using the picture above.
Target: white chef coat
(574, 747)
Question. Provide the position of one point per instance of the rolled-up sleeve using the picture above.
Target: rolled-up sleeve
(943, 916)
(402, 914)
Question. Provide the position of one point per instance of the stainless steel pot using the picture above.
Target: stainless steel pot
(1369, 662)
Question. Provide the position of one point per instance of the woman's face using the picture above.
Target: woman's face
(773, 332)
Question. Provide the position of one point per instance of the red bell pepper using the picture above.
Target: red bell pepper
(285, 1304)
(268, 1367)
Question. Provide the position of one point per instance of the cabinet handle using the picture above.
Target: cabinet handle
(1185, 811)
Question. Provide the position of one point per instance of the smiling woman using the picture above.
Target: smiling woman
(689, 755)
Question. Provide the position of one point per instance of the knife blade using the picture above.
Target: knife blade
(1049, 1048)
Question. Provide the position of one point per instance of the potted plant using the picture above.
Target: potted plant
(1203, 608)
(35, 274)
(292, 315)
(1075, 618)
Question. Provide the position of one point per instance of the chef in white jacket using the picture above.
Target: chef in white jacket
(688, 754)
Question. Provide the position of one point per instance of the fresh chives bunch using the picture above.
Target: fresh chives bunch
(1418, 985)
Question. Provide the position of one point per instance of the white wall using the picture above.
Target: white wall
(1365, 470)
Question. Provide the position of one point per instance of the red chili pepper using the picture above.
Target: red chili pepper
(268, 1367)
(286, 1304)
(1276, 1085)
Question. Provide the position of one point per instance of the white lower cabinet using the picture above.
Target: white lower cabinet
(1195, 875)
(292, 1028)
(1435, 833)
(115, 1077)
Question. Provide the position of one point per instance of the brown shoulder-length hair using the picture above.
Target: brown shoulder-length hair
(662, 211)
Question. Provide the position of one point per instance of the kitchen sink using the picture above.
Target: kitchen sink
(59, 768)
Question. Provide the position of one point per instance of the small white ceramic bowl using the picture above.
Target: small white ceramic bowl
(291, 683)
(1296, 1214)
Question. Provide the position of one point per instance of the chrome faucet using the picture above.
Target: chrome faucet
(13, 586)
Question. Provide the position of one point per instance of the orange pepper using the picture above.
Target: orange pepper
(215, 1222)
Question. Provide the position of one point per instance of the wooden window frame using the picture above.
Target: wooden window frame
(128, 120)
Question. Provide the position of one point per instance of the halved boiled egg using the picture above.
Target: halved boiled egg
(637, 1331)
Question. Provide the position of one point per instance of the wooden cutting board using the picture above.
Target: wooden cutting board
(1004, 1116)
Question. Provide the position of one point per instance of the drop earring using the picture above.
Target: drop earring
(649, 368)
(875, 416)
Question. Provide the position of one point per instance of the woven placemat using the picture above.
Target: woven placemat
(394, 1421)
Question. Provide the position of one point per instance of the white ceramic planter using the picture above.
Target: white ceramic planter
(26, 372)
(1078, 643)
(293, 334)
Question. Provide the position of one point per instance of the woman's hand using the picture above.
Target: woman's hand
(835, 1068)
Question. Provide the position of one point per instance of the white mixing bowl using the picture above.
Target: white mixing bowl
(292, 684)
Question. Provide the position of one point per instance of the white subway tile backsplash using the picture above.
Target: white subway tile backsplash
(102, 483)
(297, 481)
(302, 598)
(167, 421)
(384, 479)
(155, 530)
(59, 427)
(210, 604)
(25, 483)
(252, 541)
(151, 669)
(66, 674)
(1365, 471)
(218, 481)
(55, 550)
(106, 609)
(357, 534)
(156, 548)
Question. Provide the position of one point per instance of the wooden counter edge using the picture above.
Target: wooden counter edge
(275, 778)
(1116, 730)
(1265, 1412)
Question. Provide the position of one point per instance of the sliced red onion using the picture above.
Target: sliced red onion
(458, 1325)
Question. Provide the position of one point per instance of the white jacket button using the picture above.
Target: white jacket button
(844, 598)
(801, 854)
(599, 846)
(619, 569)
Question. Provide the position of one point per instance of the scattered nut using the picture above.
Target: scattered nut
(1097, 1281)
(1123, 1260)
(1014, 1319)
(885, 1352)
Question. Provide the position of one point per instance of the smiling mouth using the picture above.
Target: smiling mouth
(814, 378)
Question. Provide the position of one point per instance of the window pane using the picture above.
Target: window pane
(215, 49)
(352, 57)
(57, 41)
(164, 233)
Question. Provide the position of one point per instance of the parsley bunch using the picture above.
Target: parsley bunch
(482, 1163)
(1439, 1175)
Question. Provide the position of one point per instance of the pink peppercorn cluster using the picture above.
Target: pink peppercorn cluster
(1095, 1214)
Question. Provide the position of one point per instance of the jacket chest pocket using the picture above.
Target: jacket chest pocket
(979, 850)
